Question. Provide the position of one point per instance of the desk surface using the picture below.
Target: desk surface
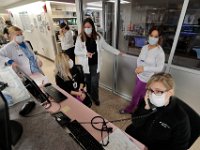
(76, 110)
(41, 132)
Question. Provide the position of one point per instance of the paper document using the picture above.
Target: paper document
(120, 141)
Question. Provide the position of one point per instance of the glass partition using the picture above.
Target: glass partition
(187, 52)
(93, 9)
(102, 13)
(138, 16)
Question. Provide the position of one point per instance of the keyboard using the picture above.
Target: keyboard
(82, 136)
(54, 93)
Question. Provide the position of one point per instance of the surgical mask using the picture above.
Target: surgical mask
(71, 63)
(88, 31)
(153, 40)
(19, 38)
(156, 100)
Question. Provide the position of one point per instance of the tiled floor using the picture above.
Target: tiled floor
(110, 103)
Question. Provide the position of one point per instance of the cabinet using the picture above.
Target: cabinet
(63, 12)
(59, 13)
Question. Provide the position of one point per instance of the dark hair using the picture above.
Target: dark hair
(94, 33)
(155, 28)
(64, 25)
(159, 33)
(8, 22)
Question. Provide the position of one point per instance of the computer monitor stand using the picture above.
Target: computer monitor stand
(16, 131)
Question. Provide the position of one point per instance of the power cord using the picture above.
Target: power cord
(104, 128)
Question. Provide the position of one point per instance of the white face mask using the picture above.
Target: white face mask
(19, 38)
(153, 40)
(158, 101)
(71, 63)
(88, 31)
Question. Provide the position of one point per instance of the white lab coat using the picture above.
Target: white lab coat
(13, 51)
(81, 52)
(67, 40)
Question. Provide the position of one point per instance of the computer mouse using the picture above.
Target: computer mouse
(47, 84)
(27, 108)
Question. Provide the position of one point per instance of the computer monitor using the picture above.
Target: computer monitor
(140, 41)
(61, 21)
(33, 88)
(11, 131)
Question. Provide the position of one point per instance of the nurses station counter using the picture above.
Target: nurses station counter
(52, 136)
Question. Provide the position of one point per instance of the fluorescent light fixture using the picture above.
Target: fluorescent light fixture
(111, 1)
(121, 1)
(36, 7)
(94, 8)
(62, 2)
(95, 4)
(124, 2)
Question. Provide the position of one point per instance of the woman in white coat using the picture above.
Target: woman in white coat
(88, 50)
(67, 41)
(18, 53)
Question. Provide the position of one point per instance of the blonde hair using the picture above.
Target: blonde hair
(13, 29)
(62, 66)
(165, 78)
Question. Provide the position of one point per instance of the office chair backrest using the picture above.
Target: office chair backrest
(80, 69)
(194, 121)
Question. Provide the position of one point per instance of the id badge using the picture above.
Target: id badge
(75, 85)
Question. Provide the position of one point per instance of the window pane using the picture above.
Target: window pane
(138, 16)
(187, 52)
(93, 10)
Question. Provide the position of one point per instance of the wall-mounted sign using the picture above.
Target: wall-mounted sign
(25, 20)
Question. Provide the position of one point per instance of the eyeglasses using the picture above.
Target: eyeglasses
(157, 92)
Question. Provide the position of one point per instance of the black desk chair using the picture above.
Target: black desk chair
(194, 121)
(88, 100)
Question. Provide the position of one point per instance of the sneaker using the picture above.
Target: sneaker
(122, 111)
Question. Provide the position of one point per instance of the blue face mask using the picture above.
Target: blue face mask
(153, 40)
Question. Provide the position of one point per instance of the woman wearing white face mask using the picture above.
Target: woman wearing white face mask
(70, 78)
(160, 122)
(67, 42)
(19, 53)
(151, 60)
(88, 50)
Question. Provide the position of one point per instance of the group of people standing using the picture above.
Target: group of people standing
(88, 51)
(153, 104)
(80, 78)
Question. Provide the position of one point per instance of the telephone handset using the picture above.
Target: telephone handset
(153, 110)
(152, 106)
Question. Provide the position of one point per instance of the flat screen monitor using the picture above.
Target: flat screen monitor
(11, 130)
(33, 88)
(140, 41)
(61, 21)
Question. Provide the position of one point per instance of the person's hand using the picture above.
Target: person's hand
(82, 96)
(89, 55)
(139, 70)
(14, 66)
(146, 99)
(78, 93)
(61, 32)
(39, 63)
(122, 53)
